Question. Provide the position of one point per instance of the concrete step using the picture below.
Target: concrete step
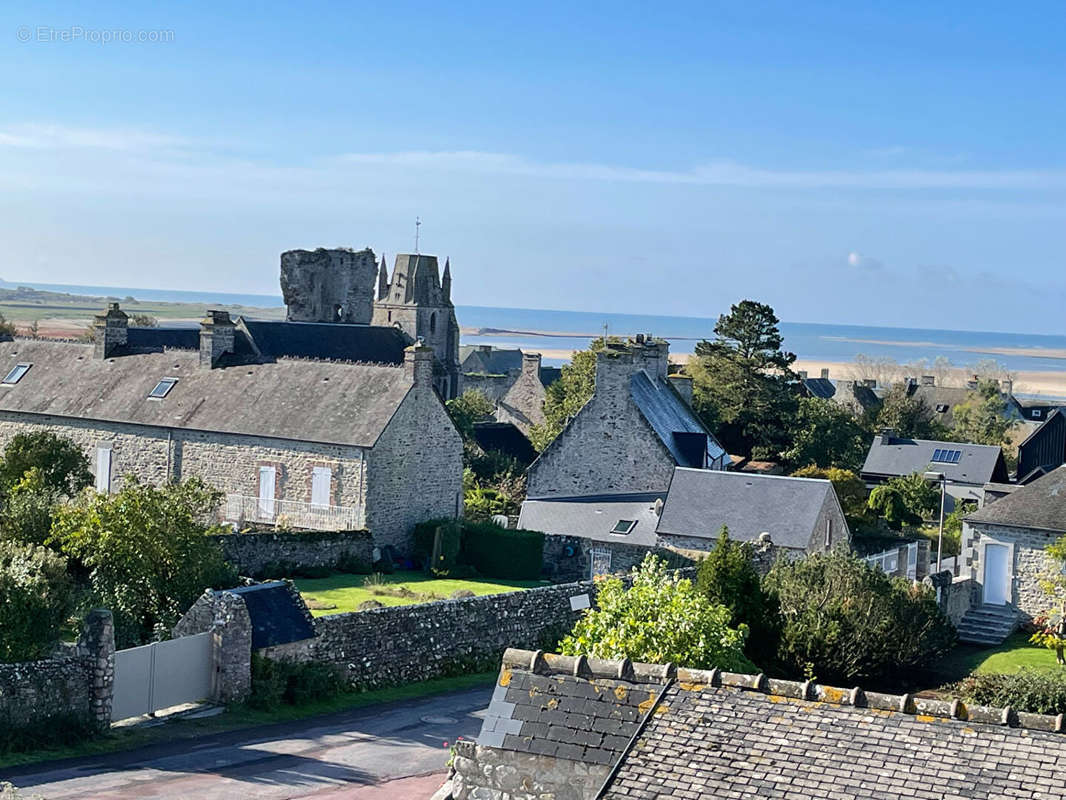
(987, 625)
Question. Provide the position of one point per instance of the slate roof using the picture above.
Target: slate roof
(141, 340)
(593, 517)
(820, 387)
(277, 616)
(704, 735)
(375, 344)
(668, 415)
(1040, 504)
(494, 361)
(314, 401)
(549, 375)
(699, 502)
(942, 397)
(506, 438)
(979, 464)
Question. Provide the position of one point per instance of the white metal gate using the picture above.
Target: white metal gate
(163, 674)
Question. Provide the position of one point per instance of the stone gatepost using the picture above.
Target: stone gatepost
(97, 644)
(232, 635)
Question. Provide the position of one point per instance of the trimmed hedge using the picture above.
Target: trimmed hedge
(1028, 690)
(493, 551)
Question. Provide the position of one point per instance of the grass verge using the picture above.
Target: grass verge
(243, 717)
(345, 592)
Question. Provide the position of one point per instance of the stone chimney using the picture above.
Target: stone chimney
(110, 331)
(802, 374)
(217, 335)
(825, 373)
(531, 364)
(617, 363)
(887, 435)
(418, 365)
(683, 385)
(929, 380)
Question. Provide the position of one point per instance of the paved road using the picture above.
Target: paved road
(377, 753)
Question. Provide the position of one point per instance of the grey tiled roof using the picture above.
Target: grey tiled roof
(1040, 504)
(668, 415)
(495, 361)
(721, 735)
(313, 401)
(820, 387)
(979, 463)
(593, 516)
(699, 502)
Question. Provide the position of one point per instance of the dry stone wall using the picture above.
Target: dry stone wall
(252, 553)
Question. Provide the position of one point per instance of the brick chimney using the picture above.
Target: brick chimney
(110, 331)
(217, 335)
(418, 365)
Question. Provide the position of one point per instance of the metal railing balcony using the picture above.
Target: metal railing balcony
(243, 510)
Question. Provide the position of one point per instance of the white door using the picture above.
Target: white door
(321, 479)
(103, 470)
(997, 574)
(267, 479)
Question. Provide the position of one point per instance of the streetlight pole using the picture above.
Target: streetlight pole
(942, 478)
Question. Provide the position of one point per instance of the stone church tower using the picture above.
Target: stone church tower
(418, 301)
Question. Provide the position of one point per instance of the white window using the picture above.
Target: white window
(103, 469)
(16, 374)
(321, 484)
(267, 480)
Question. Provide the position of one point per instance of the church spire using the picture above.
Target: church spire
(383, 280)
(446, 281)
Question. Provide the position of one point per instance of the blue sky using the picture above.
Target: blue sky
(862, 163)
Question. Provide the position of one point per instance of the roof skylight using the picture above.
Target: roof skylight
(162, 389)
(624, 526)
(946, 456)
(16, 373)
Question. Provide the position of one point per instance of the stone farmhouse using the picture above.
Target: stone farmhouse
(631, 434)
(573, 728)
(332, 426)
(1003, 546)
(338, 286)
(512, 379)
(794, 516)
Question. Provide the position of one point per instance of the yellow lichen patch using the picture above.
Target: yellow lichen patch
(505, 677)
(621, 692)
(643, 707)
(831, 694)
(924, 718)
(662, 709)
(775, 698)
(553, 703)
(693, 687)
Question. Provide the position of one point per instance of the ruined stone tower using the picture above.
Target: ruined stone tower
(334, 285)
(417, 300)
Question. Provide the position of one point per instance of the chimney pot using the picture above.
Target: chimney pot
(418, 365)
(218, 334)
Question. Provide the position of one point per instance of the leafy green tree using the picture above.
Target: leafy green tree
(147, 552)
(565, 397)
(982, 418)
(827, 434)
(37, 597)
(26, 514)
(906, 500)
(846, 622)
(887, 503)
(483, 498)
(851, 492)
(7, 329)
(1051, 625)
(143, 321)
(727, 577)
(62, 464)
(661, 619)
(908, 416)
(743, 381)
(471, 406)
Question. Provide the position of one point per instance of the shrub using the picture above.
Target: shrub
(147, 551)
(727, 577)
(36, 599)
(26, 515)
(62, 463)
(660, 619)
(496, 552)
(1028, 690)
(845, 621)
(276, 683)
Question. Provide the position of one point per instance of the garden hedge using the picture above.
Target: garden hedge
(493, 551)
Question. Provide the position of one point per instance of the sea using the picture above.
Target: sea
(549, 330)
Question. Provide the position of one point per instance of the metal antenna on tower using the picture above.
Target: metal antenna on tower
(418, 224)
(605, 333)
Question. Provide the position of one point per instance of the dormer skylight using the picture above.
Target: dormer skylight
(162, 389)
(624, 526)
(16, 374)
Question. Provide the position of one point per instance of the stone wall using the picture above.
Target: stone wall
(250, 553)
(955, 596)
(1028, 559)
(608, 445)
(329, 285)
(568, 558)
(225, 461)
(74, 687)
(485, 772)
(523, 404)
(404, 644)
(415, 469)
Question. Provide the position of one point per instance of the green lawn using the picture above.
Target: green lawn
(1013, 655)
(346, 592)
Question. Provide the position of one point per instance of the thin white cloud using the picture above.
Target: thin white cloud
(860, 261)
(61, 137)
